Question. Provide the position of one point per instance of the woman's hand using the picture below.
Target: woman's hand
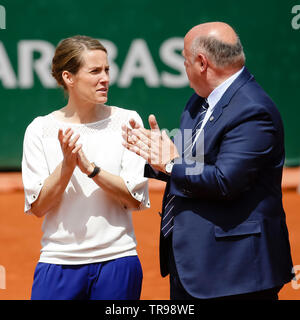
(69, 147)
(110, 183)
(55, 185)
(83, 163)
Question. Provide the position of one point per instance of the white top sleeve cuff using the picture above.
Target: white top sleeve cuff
(138, 190)
(31, 194)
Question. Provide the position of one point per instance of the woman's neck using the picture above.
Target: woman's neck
(84, 112)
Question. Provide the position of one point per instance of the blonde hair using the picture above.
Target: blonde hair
(68, 55)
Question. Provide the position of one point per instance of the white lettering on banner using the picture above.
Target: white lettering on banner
(169, 56)
(296, 19)
(2, 17)
(7, 74)
(41, 65)
(112, 52)
(138, 63)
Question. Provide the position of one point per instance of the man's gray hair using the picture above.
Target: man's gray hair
(222, 54)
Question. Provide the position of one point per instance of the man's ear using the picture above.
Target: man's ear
(68, 78)
(202, 62)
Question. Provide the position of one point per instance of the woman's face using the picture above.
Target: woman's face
(91, 81)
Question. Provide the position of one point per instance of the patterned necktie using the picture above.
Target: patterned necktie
(168, 216)
(201, 116)
(167, 222)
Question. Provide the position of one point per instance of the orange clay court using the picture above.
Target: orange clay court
(20, 239)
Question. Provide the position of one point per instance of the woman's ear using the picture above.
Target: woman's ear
(68, 78)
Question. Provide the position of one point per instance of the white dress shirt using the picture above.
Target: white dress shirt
(215, 97)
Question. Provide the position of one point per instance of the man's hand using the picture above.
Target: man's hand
(153, 145)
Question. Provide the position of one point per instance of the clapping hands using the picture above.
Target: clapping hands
(72, 152)
(153, 145)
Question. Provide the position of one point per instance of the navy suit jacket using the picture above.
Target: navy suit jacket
(230, 235)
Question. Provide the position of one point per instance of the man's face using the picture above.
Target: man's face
(191, 67)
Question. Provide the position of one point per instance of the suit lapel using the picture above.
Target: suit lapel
(227, 96)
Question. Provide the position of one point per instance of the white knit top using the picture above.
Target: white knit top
(89, 225)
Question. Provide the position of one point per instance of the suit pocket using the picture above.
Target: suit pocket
(244, 229)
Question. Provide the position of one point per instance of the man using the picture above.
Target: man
(224, 233)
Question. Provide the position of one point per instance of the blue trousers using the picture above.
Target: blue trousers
(119, 279)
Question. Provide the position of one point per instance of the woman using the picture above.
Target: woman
(77, 175)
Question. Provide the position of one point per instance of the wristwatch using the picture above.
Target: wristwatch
(169, 167)
(95, 171)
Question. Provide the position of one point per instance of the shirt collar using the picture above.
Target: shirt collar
(218, 92)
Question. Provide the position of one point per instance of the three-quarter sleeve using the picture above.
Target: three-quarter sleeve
(132, 172)
(34, 164)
